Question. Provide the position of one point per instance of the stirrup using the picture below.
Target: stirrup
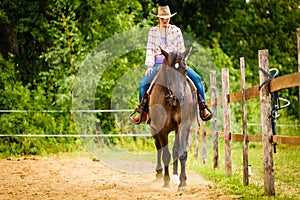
(141, 109)
(202, 114)
(141, 117)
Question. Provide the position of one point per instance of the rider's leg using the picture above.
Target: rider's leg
(142, 109)
(205, 113)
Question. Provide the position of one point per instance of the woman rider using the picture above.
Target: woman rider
(169, 38)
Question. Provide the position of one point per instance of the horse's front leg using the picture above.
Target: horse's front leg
(183, 177)
(183, 138)
(159, 168)
(166, 157)
(175, 177)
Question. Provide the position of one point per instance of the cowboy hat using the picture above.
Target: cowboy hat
(164, 12)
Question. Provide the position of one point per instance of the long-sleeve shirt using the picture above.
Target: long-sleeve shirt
(174, 42)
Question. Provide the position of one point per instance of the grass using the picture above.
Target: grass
(286, 172)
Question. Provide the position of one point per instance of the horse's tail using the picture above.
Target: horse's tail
(195, 99)
(196, 107)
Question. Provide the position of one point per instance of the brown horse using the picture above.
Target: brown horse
(172, 107)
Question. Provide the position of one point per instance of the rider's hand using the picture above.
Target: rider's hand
(149, 71)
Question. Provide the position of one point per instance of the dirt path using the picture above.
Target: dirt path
(82, 178)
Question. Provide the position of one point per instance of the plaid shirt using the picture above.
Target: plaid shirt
(174, 43)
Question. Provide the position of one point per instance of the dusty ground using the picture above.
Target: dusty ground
(82, 178)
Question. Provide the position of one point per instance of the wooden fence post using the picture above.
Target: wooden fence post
(227, 133)
(215, 135)
(266, 124)
(245, 132)
(203, 141)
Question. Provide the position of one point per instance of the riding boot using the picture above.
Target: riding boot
(142, 111)
(204, 111)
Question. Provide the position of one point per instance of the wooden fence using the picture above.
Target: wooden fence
(267, 138)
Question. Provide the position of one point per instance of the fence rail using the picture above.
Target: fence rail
(287, 81)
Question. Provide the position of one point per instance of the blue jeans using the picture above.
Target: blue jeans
(146, 81)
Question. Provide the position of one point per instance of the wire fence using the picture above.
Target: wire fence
(66, 111)
(72, 135)
(94, 135)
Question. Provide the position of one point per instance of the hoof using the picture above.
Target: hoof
(166, 185)
(181, 189)
(159, 176)
(175, 179)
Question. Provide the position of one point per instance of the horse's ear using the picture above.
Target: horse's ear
(164, 53)
(187, 53)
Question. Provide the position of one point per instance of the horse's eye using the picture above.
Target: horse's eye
(176, 65)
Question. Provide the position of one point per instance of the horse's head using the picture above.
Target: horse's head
(175, 75)
(176, 60)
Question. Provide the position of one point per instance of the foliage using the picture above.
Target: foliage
(273, 26)
(33, 122)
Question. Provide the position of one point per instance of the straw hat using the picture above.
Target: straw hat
(164, 12)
